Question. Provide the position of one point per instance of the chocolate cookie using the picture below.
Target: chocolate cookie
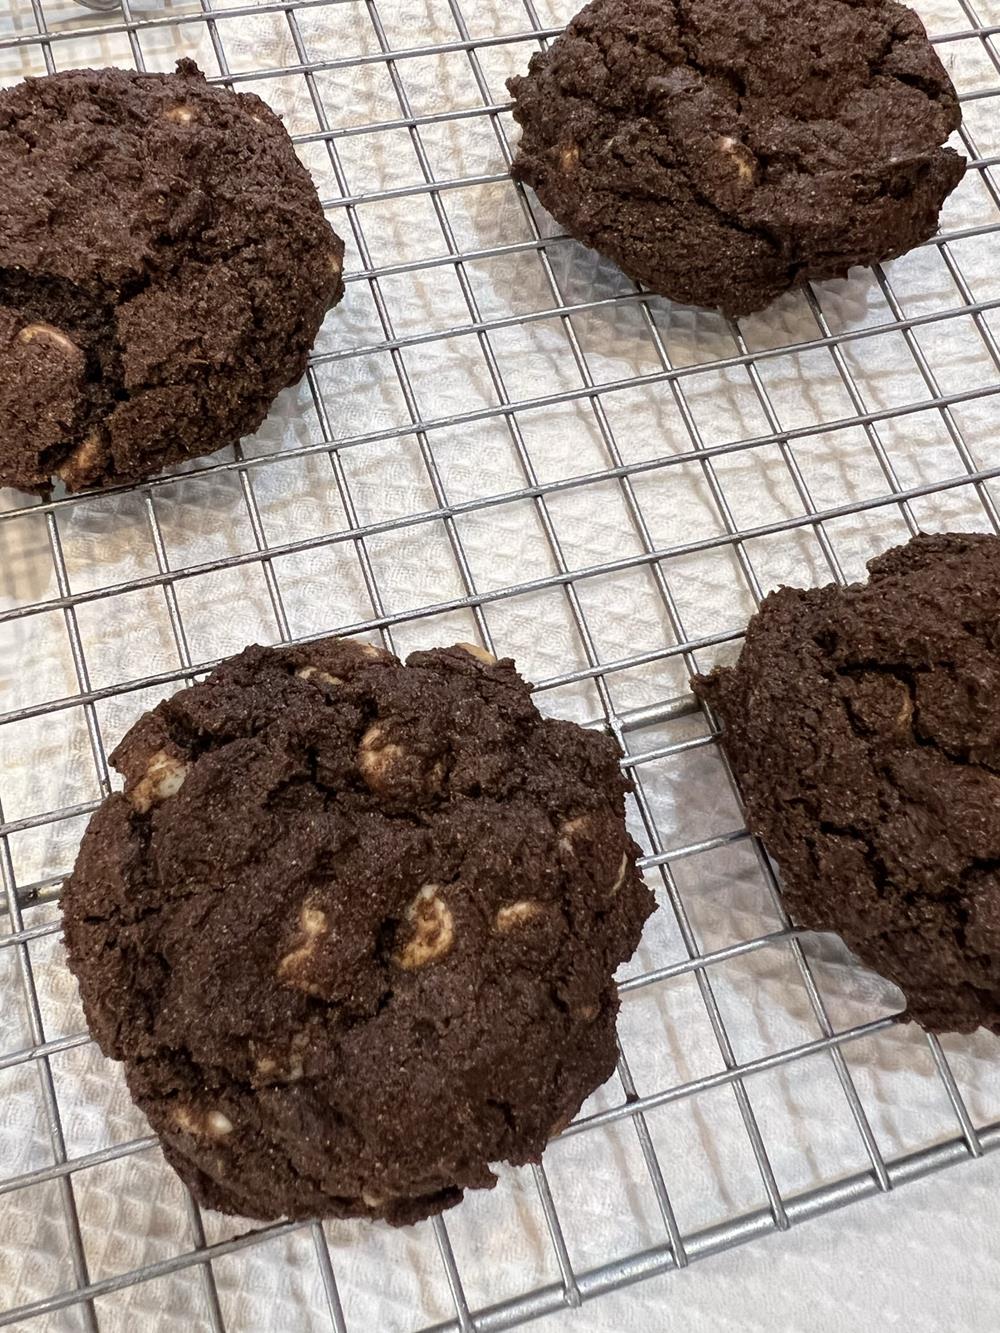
(863, 726)
(352, 927)
(165, 266)
(723, 153)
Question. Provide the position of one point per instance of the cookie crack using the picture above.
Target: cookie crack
(869, 840)
(686, 37)
(879, 871)
(907, 677)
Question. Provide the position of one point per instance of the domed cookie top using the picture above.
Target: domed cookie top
(165, 266)
(722, 153)
(353, 925)
(862, 724)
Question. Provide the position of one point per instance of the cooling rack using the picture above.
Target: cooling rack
(499, 438)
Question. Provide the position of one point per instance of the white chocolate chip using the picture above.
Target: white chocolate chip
(517, 914)
(372, 1200)
(371, 649)
(183, 1119)
(287, 1067)
(180, 115)
(433, 929)
(622, 872)
(163, 778)
(376, 756)
(211, 1123)
(741, 155)
(313, 921)
(270, 1069)
(79, 466)
(474, 650)
(296, 1068)
(314, 673)
(48, 334)
(905, 716)
(569, 830)
(569, 156)
(292, 967)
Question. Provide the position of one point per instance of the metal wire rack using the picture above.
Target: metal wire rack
(498, 436)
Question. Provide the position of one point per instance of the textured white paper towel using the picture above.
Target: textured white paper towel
(132, 1210)
(923, 1262)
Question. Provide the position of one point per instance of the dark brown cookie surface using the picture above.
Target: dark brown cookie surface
(862, 724)
(722, 153)
(165, 266)
(352, 927)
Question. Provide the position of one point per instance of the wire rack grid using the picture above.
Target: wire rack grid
(498, 437)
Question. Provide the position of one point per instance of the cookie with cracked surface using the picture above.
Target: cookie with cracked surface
(165, 266)
(722, 154)
(352, 927)
(862, 725)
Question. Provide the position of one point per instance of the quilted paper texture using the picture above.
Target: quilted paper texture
(499, 439)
